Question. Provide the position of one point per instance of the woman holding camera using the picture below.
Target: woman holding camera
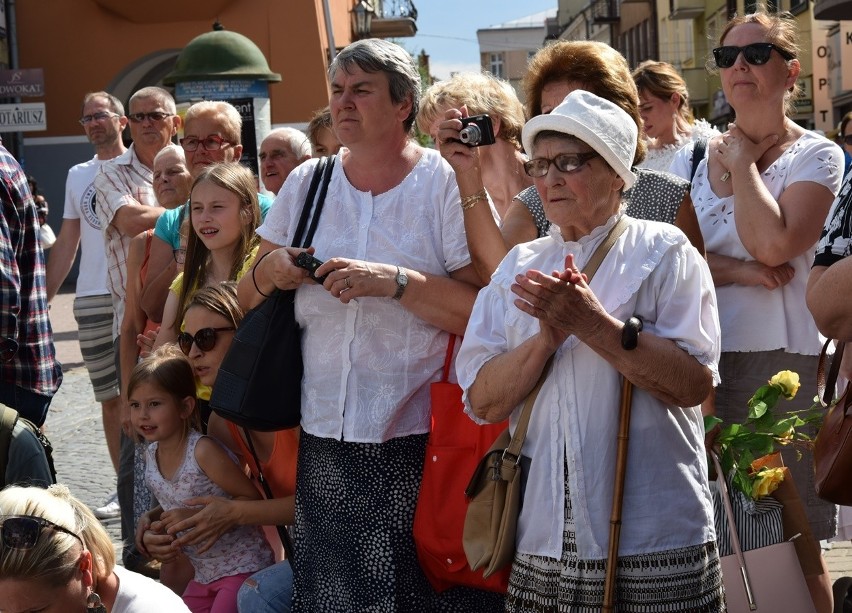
(375, 333)
(495, 169)
(554, 72)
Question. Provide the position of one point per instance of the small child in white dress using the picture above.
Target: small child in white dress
(183, 464)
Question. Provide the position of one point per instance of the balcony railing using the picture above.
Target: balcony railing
(606, 11)
(394, 18)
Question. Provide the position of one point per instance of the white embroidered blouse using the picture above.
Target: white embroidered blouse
(368, 364)
(652, 271)
(754, 318)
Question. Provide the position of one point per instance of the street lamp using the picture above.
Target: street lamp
(362, 19)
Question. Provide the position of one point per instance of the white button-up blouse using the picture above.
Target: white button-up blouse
(652, 271)
(369, 363)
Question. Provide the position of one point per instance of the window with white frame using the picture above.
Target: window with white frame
(496, 65)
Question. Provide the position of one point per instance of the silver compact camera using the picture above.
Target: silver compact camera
(477, 131)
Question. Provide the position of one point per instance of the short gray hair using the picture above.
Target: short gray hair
(171, 148)
(297, 141)
(218, 110)
(160, 94)
(114, 103)
(378, 55)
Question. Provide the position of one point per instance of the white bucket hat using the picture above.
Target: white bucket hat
(599, 123)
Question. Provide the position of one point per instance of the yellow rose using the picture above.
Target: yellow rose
(788, 382)
(766, 482)
(786, 437)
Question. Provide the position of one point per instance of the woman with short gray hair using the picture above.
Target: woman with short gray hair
(395, 283)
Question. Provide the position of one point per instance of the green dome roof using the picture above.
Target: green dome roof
(220, 55)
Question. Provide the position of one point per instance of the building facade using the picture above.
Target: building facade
(121, 46)
(683, 33)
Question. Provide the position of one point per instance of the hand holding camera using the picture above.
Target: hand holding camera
(310, 263)
(477, 131)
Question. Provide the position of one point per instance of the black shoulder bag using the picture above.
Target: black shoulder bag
(259, 385)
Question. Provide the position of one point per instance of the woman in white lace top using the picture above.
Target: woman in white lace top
(667, 120)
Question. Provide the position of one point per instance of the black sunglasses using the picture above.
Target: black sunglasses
(23, 531)
(755, 54)
(204, 338)
(564, 162)
(848, 139)
(154, 116)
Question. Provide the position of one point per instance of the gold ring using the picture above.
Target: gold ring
(726, 176)
(346, 283)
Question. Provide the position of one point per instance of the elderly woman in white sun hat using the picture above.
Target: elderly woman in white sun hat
(539, 305)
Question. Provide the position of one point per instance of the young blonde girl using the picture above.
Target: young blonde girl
(182, 464)
(224, 214)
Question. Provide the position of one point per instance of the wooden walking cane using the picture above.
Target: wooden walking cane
(618, 495)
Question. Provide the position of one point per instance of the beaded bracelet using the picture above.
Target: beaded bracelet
(254, 280)
(468, 201)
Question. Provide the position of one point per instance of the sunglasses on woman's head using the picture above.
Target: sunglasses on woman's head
(755, 54)
(205, 339)
(23, 531)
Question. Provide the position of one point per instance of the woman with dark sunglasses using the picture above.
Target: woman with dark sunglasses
(56, 557)
(762, 193)
(209, 322)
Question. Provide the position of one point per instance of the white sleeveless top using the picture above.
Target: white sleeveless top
(242, 549)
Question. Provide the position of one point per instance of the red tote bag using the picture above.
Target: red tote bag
(456, 445)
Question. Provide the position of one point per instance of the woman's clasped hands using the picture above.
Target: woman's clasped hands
(563, 302)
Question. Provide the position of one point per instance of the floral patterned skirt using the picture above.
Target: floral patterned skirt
(679, 580)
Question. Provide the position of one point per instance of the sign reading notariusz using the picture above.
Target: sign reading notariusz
(25, 117)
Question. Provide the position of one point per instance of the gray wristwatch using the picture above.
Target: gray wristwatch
(401, 283)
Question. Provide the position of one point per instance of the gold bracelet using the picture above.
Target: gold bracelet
(468, 201)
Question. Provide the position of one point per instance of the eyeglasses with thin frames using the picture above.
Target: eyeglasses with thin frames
(564, 162)
(213, 142)
(204, 339)
(99, 116)
(23, 531)
(152, 116)
(755, 54)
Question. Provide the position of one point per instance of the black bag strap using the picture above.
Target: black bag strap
(282, 530)
(322, 173)
(698, 151)
(326, 179)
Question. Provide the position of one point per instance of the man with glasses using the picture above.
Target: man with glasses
(103, 122)
(127, 206)
(212, 134)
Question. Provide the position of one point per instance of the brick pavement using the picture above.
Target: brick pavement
(82, 462)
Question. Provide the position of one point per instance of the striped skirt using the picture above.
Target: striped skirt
(680, 580)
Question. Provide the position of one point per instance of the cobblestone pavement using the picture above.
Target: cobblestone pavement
(74, 424)
(82, 462)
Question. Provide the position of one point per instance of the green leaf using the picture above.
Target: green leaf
(710, 422)
(757, 409)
